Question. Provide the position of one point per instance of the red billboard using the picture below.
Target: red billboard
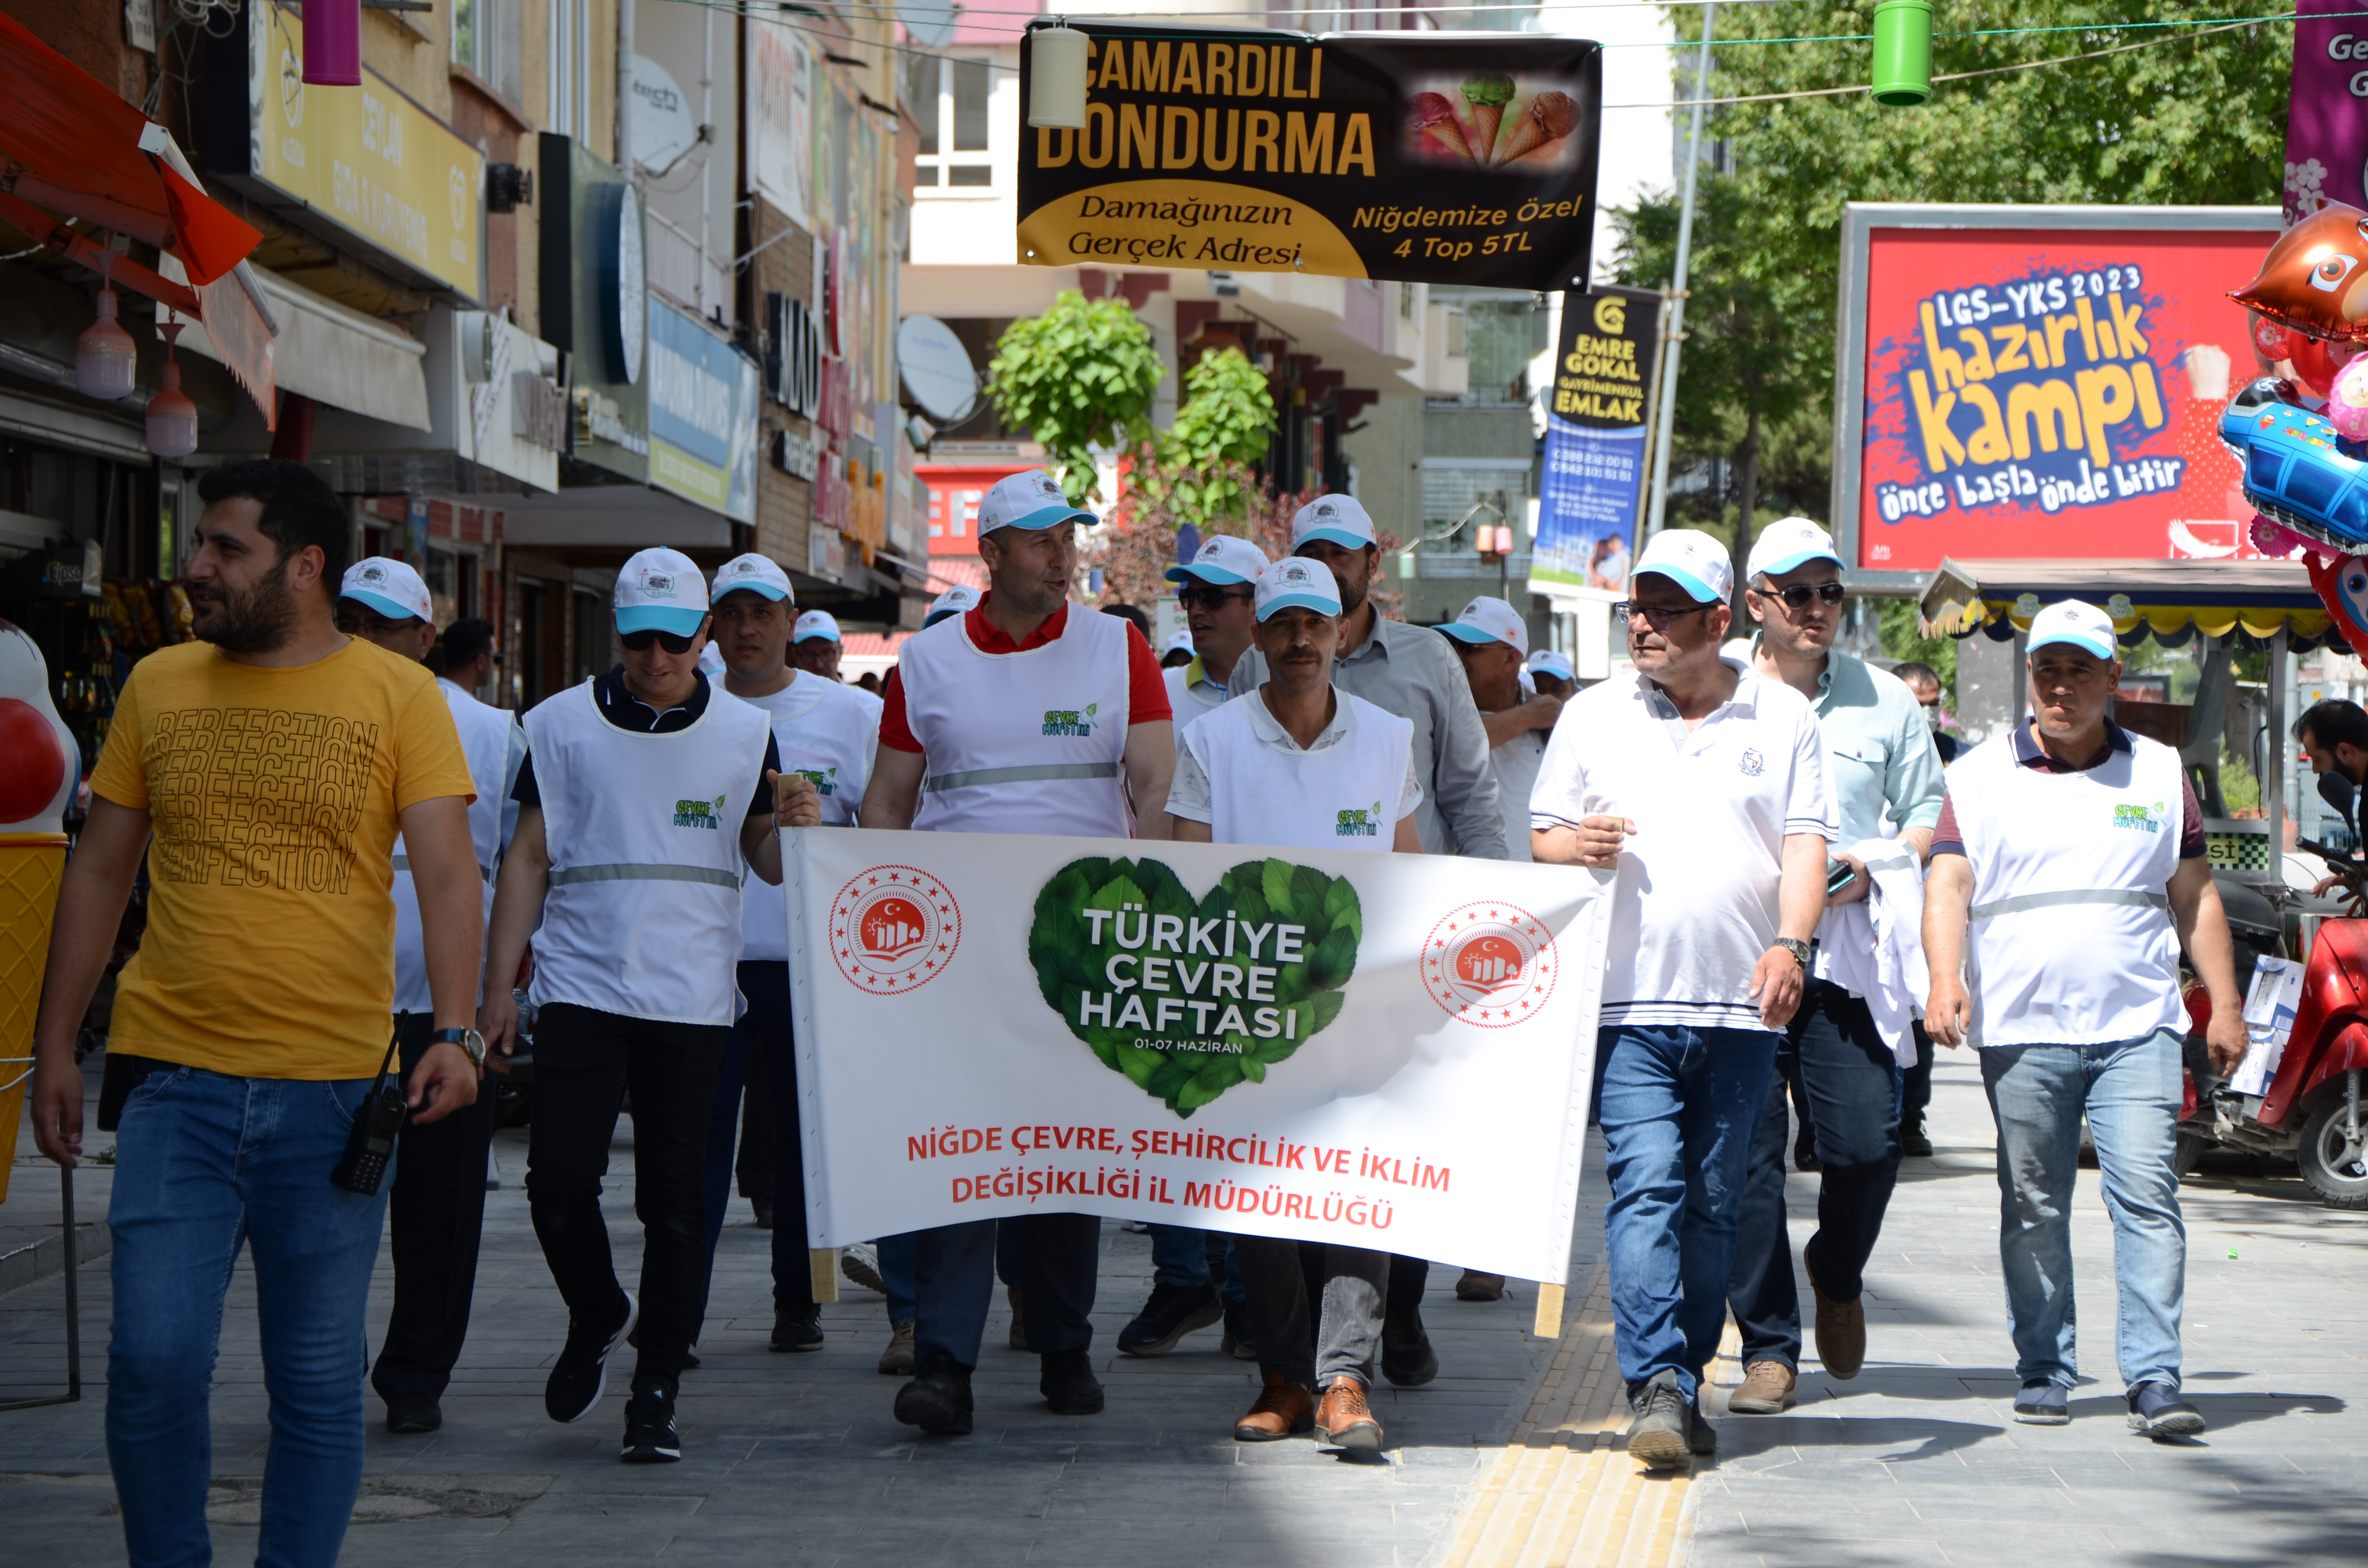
(2021, 382)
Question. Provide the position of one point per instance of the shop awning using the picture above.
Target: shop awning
(336, 355)
(2253, 598)
(75, 148)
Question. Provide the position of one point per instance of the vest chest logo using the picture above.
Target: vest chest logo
(708, 815)
(2141, 819)
(1071, 721)
(1752, 763)
(824, 779)
(1358, 822)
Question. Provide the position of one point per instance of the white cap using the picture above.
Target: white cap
(1029, 499)
(1692, 560)
(754, 573)
(389, 587)
(661, 590)
(812, 624)
(1545, 661)
(2084, 626)
(1486, 619)
(1336, 518)
(1223, 560)
(955, 600)
(1180, 643)
(1294, 580)
(1788, 543)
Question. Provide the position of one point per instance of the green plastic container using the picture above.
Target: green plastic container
(1903, 52)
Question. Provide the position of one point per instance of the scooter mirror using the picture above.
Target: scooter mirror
(2337, 791)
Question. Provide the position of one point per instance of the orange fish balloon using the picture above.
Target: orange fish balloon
(2315, 278)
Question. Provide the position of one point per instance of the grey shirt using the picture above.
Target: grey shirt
(1412, 672)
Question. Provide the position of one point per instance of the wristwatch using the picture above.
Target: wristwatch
(1797, 948)
(468, 1041)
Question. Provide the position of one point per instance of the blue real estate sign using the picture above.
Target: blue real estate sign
(702, 393)
(1595, 438)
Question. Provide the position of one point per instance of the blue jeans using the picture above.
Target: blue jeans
(1842, 1071)
(900, 1257)
(2129, 1090)
(1679, 1108)
(1180, 1258)
(1052, 1259)
(206, 1164)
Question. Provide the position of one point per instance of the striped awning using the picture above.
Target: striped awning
(2169, 600)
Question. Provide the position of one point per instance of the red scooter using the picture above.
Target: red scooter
(2311, 1112)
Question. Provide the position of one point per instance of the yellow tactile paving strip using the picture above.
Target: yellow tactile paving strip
(1564, 1491)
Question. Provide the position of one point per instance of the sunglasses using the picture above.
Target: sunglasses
(1798, 596)
(1209, 597)
(639, 641)
(1658, 617)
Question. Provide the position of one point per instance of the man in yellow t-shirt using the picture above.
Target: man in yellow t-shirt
(273, 763)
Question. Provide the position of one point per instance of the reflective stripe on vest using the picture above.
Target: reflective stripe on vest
(2021, 902)
(628, 872)
(977, 776)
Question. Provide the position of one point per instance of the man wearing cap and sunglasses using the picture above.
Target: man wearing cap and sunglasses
(1214, 590)
(1835, 1059)
(646, 797)
(2068, 872)
(1027, 715)
(1703, 784)
(435, 1213)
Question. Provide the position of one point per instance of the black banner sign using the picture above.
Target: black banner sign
(1421, 157)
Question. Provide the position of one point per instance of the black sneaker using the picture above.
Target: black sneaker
(1660, 1433)
(2043, 1403)
(650, 1437)
(1237, 1342)
(581, 1374)
(1173, 1311)
(937, 1400)
(1914, 1142)
(797, 1327)
(764, 1208)
(2157, 1410)
(1068, 1384)
(1407, 1360)
(412, 1412)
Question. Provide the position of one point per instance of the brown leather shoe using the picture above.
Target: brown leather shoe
(1767, 1389)
(1841, 1331)
(1345, 1421)
(1284, 1409)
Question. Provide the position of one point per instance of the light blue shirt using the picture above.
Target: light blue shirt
(1886, 770)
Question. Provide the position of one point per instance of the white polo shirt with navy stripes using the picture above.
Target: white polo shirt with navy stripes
(1696, 902)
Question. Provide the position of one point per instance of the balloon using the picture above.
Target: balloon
(2347, 401)
(2315, 278)
(2342, 585)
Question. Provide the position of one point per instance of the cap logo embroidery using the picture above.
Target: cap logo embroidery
(657, 584)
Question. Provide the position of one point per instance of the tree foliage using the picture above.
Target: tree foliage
(1077, 376)
(2192, 119)
(1223, 427)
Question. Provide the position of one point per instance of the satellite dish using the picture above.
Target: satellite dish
(929, 23)
(664, 126)
(936, 370)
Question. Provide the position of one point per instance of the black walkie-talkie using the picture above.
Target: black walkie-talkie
(371, 1143)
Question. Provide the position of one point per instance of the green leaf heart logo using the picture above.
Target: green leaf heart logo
(1188, 996)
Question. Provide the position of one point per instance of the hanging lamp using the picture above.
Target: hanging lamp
(171, 417)
(107, 362)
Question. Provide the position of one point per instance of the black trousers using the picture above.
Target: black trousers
(584, 1061)
(434, 1216)
(1915, 1085)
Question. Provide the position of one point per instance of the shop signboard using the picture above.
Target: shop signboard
(1595, 439)
(702, 414)
(1425, 157)
(780, 119)
(2027, 383)
(2327, 115)
(366, 159)
(595, 303)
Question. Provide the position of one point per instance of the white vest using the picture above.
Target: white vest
(487, 735)
(828, 732)
(1021, 743)
(1516, 763)
(1348, 796)
(1189, 703)
(2071, 941)
(643, 831)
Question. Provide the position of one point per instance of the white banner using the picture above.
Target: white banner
(1392, 1052)
(780, 120)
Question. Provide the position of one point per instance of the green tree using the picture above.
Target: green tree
(2194, 119)
(1223, 427)
(1077, 376)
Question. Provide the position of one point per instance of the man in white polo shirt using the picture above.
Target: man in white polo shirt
(1705, 785)
(1491, 640)
(825, 731)
(435, 1214)
(2068, 872)
(1836, 1061)
(814, 644)
(647, 797)
(1032, 715)
(1214, 589)
(1296, 763)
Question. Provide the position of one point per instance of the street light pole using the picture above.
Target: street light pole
(1677, 335)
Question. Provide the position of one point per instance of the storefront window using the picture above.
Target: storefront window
(592, 652)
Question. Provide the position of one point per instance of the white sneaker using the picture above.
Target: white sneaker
(860, 1263)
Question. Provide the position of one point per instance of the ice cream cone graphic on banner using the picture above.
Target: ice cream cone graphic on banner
(38, 764)
(1550, 117)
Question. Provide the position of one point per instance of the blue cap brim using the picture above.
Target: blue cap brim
(763, 590)
(1299, 601)
(1345, 538)
(1205, 574)
(1465, 632)
(2074, 640)
(1696, 590)
(391, 609)
(660, 617)
(821, 636)
(1797, 560)
(1046, 517)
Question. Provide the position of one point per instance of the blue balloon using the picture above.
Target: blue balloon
(2297, 468)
